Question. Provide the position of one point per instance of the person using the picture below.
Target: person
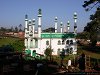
(81, 62)
(69, 62)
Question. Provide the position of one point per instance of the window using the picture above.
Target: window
(71, 41)
(67, 42)
(59, 42)
(47, 42)
(63, 42)
(71, 50)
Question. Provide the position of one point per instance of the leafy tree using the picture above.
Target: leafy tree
(2, 29)
(12, 29)
(20, 26)
(16, 29)
(6, 48)
(49, 30)
(48, 53)
(18, 45)
(93, 27)
(89, 4)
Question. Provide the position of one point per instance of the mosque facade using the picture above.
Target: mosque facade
(57, 41)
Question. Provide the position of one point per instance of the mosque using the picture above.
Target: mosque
(57, 41)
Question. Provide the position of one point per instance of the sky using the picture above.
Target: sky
(12, 12)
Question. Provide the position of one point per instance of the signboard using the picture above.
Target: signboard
(52, 35)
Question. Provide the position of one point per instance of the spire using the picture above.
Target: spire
(39, 13)
(68, 25)
(29, 23)
(39, 22)
(33, 21)
(61, 27)
(26, 22)
(33, 27)
(26, 16)
(75, 20)
(55, 24)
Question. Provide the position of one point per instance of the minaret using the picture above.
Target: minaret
(55, 24)
(33, 23)
(68, 26)
(29, 39)
(26, 26)
(39, 23)
(39, 31)
(75, 20)
(61, 27)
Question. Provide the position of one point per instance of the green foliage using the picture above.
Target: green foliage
(89, 4)
(18, 45)
(6, 48)
(49, 30)
(83, 35)
(6, 41)
(48, 52)
(93, 27)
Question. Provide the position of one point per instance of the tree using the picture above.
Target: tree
(20, 26)
(16, 29)
(89, 4)
(12, 29)
(48, 53)
(93, 27)
(49, 30)
(6, 48)
(18, 45)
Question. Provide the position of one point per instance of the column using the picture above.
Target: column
(39, 30)
(68, 26)
(61, 27)
(55, 24)
(26, 25)
(75, 20)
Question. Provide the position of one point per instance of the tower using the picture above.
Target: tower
(55, 24)
(61, 27)
(39, 23)
(29, 38)
(33, 29)
(39, 30)
(68, 26)
(26, 28)
(75, 20)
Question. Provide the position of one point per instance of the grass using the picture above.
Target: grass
(8, 40)
(89, 53)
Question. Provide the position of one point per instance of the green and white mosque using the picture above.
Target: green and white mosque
(57, 41)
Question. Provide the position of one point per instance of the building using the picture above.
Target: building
(58, 42)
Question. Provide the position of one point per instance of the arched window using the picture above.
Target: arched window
(71, 50)
(71, 41)
(59, 42)
(63, 42)
(47, 42)
(67, 42)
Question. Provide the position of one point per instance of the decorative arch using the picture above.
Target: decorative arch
(59, 42)
(47, 42)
